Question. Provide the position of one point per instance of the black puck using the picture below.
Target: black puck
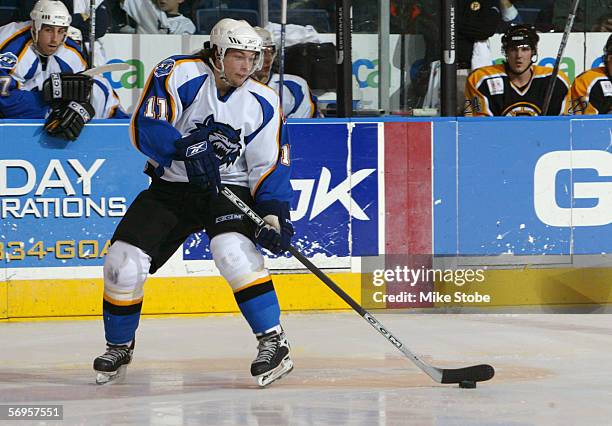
(467, 384)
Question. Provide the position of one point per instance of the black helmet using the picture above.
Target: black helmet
(608, 48)
(520, 35)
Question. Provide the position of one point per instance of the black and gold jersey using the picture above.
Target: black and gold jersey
(591, 93)
(489, 92)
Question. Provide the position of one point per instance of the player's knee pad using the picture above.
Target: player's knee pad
(125, 270)
(238, 260)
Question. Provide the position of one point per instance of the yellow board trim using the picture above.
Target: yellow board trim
(529, 287)
(168, 296)
(35, 299)
(3, 300)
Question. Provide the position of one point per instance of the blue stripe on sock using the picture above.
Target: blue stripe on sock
(120, 329)
(261, 312)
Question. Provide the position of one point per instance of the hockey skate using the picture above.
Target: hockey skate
(112, 365)
(272, 362)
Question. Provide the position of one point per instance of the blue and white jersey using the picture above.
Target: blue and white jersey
(105, 100)
(244, 126)
(298, 101)
(23, 72)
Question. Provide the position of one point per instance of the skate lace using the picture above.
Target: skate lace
(114, 354)
(267, 349)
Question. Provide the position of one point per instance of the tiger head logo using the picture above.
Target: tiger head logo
(224, 139)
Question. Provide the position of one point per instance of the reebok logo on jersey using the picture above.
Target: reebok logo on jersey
(196, 149)
(8, 61)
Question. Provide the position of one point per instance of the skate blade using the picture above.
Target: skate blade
(105, 377)
(279, 372)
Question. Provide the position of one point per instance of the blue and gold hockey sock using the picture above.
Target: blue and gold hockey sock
(259, 305)
(120, 322)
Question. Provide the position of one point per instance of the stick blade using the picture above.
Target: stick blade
(475, 373)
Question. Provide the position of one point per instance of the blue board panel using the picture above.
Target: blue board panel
(497, 160)
(61, 201)
(363, 189)
(445, 187)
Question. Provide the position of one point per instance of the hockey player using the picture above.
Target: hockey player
(37, 72)
(518, 86)
(298, 101)
(39, 69)
(592, 90)
(203, 122)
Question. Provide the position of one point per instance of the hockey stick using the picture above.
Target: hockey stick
(92, 32)
(281, 58)
(117, 66)
(467, 376)
(553, 80)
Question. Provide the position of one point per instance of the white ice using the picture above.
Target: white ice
(551, 370)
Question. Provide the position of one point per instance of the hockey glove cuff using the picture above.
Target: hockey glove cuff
(276, 234)
(201, 163)
(65, 87)
(68, 120)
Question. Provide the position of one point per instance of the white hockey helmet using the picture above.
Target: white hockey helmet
(75, 34)
(232, 34)
(49, 12)
(266, 37)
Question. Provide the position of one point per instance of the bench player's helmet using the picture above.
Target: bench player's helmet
(266, 37)
(232, 34)
(521, 35)
(49, 12)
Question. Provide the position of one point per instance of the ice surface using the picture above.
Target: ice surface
(551, 370)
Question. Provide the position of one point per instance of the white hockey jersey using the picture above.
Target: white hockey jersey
(153, 20)
(23, 72)
(298, 101)
(105, 100)
(244, 126)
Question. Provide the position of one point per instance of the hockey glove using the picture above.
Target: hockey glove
(200, 161)
(67, 120)
(276, 234)
(65, 87)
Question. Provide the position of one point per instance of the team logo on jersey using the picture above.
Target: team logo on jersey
(165, 67)
(8, 61)
(224, 139)
(522, 109)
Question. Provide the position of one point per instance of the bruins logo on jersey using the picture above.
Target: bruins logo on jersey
(224, 138)
(522, 109)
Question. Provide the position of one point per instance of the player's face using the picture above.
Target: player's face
(50, 38)
(238, 65)
(269, 53)
(519, 58)
(609, 64)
